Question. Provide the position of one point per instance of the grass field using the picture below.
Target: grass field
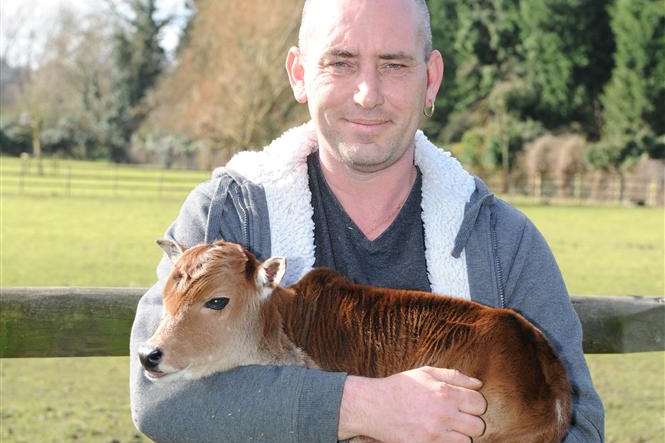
(84, 240)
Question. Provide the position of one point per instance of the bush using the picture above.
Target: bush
(15, 139)
(516, 133)
(616, 153)
(62, 138)
(471, 148)
(166, 149)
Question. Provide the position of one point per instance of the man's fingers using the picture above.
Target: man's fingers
(454, 377)
(455, 437)
(472, 402)
(446, 405)
(470, 425)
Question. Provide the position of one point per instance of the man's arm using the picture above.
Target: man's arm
(259, 403)
(535, 288)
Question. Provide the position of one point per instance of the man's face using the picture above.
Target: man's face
(365, 79)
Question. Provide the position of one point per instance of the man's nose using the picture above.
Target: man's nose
(150, 357)
(368, 91)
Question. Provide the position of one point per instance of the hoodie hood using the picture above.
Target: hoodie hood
(447, 189)
(480, 197)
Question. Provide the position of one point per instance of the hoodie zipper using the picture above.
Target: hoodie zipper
(498, 271)
(243, 215)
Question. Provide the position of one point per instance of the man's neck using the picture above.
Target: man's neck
(371, 199)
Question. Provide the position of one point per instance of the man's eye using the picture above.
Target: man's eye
(217, 303)
(339, 65)
(395, 66)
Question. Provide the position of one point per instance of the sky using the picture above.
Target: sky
(40, 14)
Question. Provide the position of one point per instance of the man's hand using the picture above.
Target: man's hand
(424, 405)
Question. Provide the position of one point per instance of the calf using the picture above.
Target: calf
(222, 309)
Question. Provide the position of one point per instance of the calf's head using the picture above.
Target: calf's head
(211, 316)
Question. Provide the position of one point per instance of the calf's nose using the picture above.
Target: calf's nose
(150, 357)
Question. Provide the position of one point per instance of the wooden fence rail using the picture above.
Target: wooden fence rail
(78, 322)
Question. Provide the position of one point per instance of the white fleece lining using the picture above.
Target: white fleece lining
(281, 168)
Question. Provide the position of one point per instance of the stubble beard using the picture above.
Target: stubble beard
(366, 155)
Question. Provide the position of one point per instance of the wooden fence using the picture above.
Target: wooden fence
(78, 322)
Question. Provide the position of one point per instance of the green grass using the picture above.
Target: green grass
(605, 250)
(94, 241)
(632, 387)
(66, 399)
(59, 241)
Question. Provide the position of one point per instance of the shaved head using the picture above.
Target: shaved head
(423, 23)
(366, 70)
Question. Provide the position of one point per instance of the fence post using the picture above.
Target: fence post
(617, 195)
(577, 187)
(54, 166)
(25, 165)
(652, 193)
(161, 183)
(68, 182)
(115, 180)
(538, 186)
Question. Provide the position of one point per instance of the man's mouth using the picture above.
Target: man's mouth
(366, 122)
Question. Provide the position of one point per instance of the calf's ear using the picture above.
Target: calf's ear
(271, 272)
(173, 249)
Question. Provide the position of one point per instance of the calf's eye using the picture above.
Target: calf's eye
(217, 303)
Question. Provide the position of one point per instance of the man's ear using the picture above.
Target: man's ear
(172, 248)
(270, 274)
(296, 71)
(435, 69)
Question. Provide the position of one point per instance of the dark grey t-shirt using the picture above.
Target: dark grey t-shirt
(395, 259)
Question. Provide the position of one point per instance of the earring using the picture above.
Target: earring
(429, 112)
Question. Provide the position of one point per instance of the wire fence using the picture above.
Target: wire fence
(589, 188)
(89, 179)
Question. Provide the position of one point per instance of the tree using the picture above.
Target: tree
(479, 40)
(633, 100)
(567, 48)
(138, 61)
(487, 47)
(557, 54)
(12, 79)
(63, 98)
(487, 79)
(229, 87)
(46, 94)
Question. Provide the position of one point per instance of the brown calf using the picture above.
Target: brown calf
(222, 309)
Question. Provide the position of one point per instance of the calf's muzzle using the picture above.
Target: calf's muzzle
(150, 357)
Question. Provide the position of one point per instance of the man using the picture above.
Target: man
(360, 190)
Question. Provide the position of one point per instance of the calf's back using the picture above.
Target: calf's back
(377, 332)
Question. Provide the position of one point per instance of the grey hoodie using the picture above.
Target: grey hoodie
(509, 265)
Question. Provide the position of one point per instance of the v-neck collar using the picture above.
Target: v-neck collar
(382, 241)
